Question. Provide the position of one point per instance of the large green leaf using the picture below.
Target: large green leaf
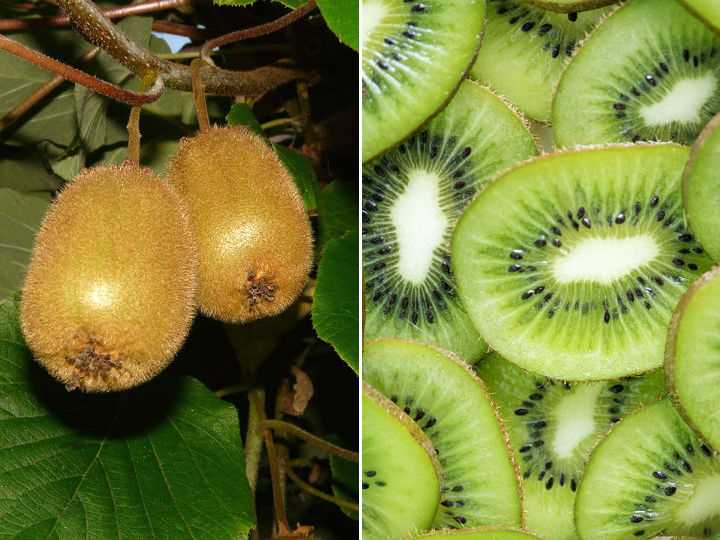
(23, 170)
(337, 208)
(335, 307)
(302, 171)
(242, 114)
(342, 18)
(20, 218)
(162, 461)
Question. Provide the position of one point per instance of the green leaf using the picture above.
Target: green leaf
(342, 18)
(23, 170)
(242, 114)
(20, 218)
(155, 154)
(337, 210)
(162, 461)
(302, 171)
(345, 481)
(335, 307)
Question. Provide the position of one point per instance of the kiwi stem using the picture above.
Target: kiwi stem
(230, 390)
(199, 95)
(256, 31)
(254, 436)
(133, 127)
(41, 93)
(287, 427)
(69, 73)
(339, 501)
(275, 466)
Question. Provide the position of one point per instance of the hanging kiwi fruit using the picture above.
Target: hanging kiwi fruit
(253, 233)
(103, 308)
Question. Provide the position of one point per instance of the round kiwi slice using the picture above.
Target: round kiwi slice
(707, 10)
(570, 6)
(651, 71)
(701, 188)
(525, 49)
(553, 427)
(693, 356)
(651, 476)
(572, 264)
(479, 533)
(414, 55)
(400, 473)
(412, 198)
(451, 405)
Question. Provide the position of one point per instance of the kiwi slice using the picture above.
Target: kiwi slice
(400, 473)
(414, 55)
(651, 476)
(553, 426)
(479, 533)
(572, 264)
(701, 188)
(451, 405)
(707, 10)
(651, 71)
(412, 198)
(525, 50)
(570, 6)
(693, 356)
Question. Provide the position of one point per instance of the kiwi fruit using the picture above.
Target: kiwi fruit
(701, 188)
(649, 72)
(479, 533)
(109, 292)
(451, 405)
(553, 426)
(412, 198)
(400, 473)
(651, 476)
(707, 10)
(571, 265)
(693, 356)
(525, 50)
(414, 55)
(570, 6)
(253, 234)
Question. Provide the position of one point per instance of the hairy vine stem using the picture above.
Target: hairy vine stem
(287, 427)
(302, 484)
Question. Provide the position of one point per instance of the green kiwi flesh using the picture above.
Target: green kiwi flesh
(570, 6)
(571, 264)
(707, 10)
(451, 405)
(400, 474)
(412, 198)
(701, 188)
(479, 533)
(693, 356)
(650, 71)
(651, 476)
(525, 50)
(553, 427)
(414, 55)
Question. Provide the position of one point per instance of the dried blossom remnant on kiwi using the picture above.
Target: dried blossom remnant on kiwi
(90, 367)
(253, 233)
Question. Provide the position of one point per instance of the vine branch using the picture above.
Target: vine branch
(302, 484)
(95, 27)
(287, 427)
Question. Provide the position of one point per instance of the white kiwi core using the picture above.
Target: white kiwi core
(703, 503)
(575, 418)
(373, 13)
(420, 225)
(683, 103)
(603, 260)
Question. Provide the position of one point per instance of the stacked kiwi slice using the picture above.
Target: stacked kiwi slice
(550, 322)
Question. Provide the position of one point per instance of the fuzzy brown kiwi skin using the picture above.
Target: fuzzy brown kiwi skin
(116, 344)
(254, 237)
(580, 5)
(444, 104)
(506, 436)
(671, 343)
(705, 134)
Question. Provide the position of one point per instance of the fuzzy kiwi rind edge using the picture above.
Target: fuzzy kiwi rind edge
(580, 5)
(485, 391)
(464, 76)
(670, 346)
